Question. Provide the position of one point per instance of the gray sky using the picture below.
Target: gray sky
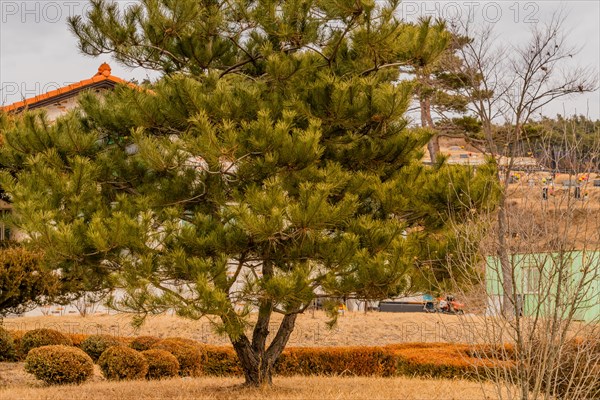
(38, 53)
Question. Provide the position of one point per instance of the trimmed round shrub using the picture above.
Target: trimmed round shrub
(142, 343)
(188, 353)
(122, 363)
(16, 337)
(59, 364)
(43, 337)
(95, 345)
(78, 338)
(161, 364)
(7, 346)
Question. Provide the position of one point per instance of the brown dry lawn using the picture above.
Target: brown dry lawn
(353, 328)
(15, 384)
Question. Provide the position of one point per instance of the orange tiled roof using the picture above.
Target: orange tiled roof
(103, 76)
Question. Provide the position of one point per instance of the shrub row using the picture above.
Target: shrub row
(58, 364)
(52, 357)
(190, 358)
(23, 341)
(193, 359)
(421, 359)
(62, 364)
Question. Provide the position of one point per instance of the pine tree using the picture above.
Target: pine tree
(437, 72)
(269, 163)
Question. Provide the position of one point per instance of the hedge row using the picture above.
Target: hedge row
(23, 341)
(377, 361)
(442, 360)
(193, 359)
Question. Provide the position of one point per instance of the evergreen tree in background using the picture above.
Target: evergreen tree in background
(437, 73)
(269, 163)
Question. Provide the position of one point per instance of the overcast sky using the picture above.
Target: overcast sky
(38, 53)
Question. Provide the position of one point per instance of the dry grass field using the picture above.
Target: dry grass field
(353, 328)
(540, 225)
(18, 385)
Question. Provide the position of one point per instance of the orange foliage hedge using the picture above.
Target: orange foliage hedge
(360, 361)
(486, 351)
(445, 360)
(220, 361)
(440, 360)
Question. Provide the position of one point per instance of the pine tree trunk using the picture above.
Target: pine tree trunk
(260, 375)
(258, 369)
(257, 360)
(433, 146)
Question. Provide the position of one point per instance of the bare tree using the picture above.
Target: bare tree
(510, 85)
(549, 347)
(89, 302)
(540, 249)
